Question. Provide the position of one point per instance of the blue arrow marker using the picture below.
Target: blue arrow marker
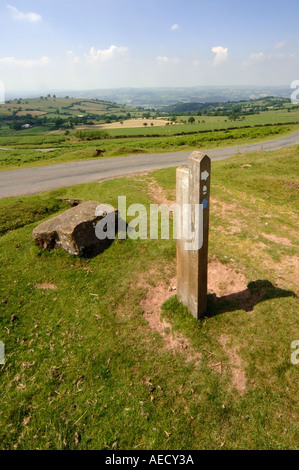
(205, 204)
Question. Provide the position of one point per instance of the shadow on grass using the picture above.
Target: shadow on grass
(98, 248)
(256, 292)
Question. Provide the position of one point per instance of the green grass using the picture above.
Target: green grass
(66, 107)
(33, 139)
(23, 148)
(207, 132)
(22, 158)
(85, 371)
(211, 123)
(16, 213)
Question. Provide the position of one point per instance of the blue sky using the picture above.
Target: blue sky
(72, 44)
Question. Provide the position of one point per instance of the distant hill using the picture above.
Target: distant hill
(221, 108)
(157, 97)
(56, 112)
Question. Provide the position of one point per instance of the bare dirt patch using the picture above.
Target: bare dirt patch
(46, 286)
(262, 245)
(131, 124)
(226, 211)
(154, 190)
(276, 239)
(229, 285)
(225, 206)
(223, 280)
(239, 380)
(158, 194)
(33, 113)
(46, 150)
(151, 306)
(292, 185)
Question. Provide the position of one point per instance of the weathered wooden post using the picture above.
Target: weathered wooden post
(192, 264)
(182, 190)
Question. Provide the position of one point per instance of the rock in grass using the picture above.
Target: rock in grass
(74, 230)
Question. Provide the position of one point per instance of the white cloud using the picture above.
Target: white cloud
(221, 54)
(162, 59)
(280, 45)
(165, 60)
(20, 16)
(105, 54)
(72, 57)
(256, 58)
(259, 57)
(174, 27)
(24, 63)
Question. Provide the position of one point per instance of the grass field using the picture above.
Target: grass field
(48, 141)
(51, 148)
(66, 107)
(87, 368)
(207, 123)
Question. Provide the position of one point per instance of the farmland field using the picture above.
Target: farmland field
(65, 129)
(210, 123)
(51, 148)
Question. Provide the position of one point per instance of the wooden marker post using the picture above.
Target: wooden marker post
(193, 264)
(182, 182)
(199, 174)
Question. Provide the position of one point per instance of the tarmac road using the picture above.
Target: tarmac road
(42, 178)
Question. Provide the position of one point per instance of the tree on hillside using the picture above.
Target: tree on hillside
(58, 123)
(233, 116)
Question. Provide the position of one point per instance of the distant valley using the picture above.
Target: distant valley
(156, 97)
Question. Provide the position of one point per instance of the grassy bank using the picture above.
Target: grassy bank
(85, 367)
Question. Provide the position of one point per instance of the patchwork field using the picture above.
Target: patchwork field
(19, 151)
(75, 128)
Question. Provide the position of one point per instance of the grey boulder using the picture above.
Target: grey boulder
(74, 229)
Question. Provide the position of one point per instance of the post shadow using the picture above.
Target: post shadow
(256, 292)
